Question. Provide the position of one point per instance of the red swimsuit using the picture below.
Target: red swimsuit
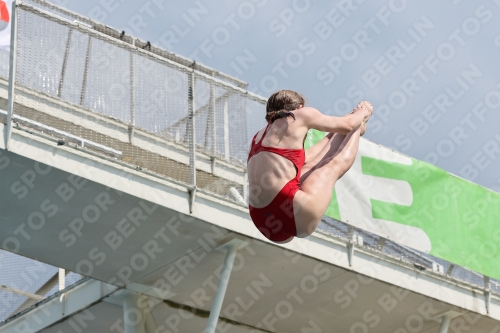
(276, 221)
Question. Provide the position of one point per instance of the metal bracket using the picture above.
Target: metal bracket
(350, 253)
(487, 293)
(438, 268)
(356, 240)
(63, 300)
(192, 196)
(212, 164)
(487, 297)
(131, 130)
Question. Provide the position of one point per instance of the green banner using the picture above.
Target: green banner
(422, 206)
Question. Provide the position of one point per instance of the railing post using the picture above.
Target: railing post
(226, 129)
(65, 62)
(12, 72)
(192, 130)
(211, 128)
(214, 118)
(132, 99)
(86, 71)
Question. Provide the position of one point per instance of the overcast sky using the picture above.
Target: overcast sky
(429, 67)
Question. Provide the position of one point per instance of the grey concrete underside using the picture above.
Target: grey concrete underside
(55, 217)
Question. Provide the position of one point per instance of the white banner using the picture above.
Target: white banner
(357, 188)
(5, 20)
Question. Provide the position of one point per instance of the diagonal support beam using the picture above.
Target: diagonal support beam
(232, 246)
(133, 315)
(20, 292)
(149, 320)
(137, 310)
(445, 319)
(58, 307)
(445, 324)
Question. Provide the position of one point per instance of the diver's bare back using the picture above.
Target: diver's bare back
(269, 172)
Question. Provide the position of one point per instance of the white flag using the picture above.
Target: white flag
(5, 20)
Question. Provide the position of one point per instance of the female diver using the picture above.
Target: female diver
(291, 188)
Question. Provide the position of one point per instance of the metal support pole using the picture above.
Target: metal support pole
(191, 131)
(226, 129)
(12, 72)
(65, 62)
(86, 71)
(445, 324)
(232, 246)
(133, 317)
(132, 99)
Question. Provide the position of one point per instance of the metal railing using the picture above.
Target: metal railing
(82, 78)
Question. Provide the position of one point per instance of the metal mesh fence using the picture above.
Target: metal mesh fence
(90, 89)
(25, 282)
(4, 63)
(8, 303)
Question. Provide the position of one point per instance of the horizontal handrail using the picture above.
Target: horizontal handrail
(70, 137)
(115, 34)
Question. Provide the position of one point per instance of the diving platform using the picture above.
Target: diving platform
(133, 234)
(125, 164)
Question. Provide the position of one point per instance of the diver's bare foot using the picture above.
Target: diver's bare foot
(367, 105)
(364, 105)
(363, 108)
(362, 128)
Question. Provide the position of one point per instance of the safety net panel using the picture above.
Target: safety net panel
(25, 282)
(90, 90)
(4, 63)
